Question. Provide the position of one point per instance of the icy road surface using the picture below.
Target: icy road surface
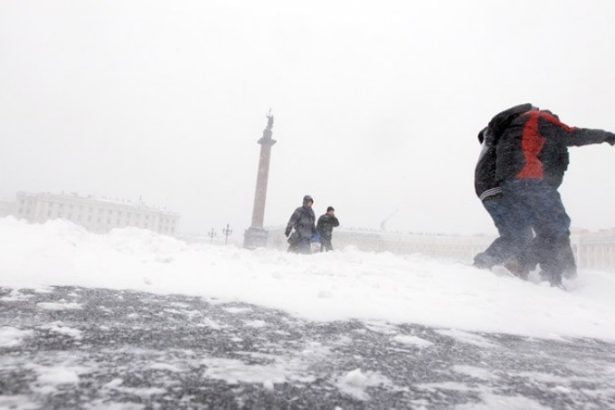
(85, 348)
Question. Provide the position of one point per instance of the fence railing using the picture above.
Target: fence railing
(595, 253)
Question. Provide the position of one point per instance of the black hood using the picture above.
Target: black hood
(486, 137)
(481, 135)
(500, 122)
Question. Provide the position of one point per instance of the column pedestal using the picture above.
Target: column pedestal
(255, 238)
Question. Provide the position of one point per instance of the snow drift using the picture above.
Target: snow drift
(335, 286)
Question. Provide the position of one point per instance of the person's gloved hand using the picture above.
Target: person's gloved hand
(287, 233)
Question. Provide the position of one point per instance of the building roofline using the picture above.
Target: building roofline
(73, 195)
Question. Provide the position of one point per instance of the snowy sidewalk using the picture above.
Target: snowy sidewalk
(68, 347)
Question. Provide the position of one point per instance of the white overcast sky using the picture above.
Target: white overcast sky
(377, 104)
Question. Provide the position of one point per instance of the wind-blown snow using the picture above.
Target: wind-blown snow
(412, 341)
(60, 328)
(11, 336)
(59, 306)
(55, 375)
(492, 401)
(334, 286)
(277, 369)
(355, 383)
(468, 338)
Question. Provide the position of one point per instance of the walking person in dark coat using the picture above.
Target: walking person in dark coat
(531, 159)
(514, 230)
(301, 228)
(325, 226)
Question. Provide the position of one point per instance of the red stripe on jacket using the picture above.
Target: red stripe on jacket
(532, 143)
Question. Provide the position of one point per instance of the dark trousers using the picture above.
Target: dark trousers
(325, 244)
(515, 232)
(540, 205)
(301, 245)
(530, 258)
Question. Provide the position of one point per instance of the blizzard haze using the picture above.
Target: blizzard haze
(377, 105)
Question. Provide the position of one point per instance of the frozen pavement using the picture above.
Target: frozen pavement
(70, 347)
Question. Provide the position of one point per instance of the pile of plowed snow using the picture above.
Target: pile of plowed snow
(334, 286)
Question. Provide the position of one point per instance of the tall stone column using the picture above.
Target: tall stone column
(256, 235)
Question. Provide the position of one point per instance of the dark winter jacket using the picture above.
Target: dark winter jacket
(325, 226)
(302, 221)
(485, 184)
(485, 181)
(534, 146)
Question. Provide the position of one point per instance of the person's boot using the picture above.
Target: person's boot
(517, 268)
(570, 273)
(555, 279)
(483, 261)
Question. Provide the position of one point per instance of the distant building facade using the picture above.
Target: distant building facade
(96, 215)
(7, 208)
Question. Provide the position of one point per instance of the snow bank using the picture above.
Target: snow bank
(337, 285)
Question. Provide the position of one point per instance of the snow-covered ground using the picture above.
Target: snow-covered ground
(341, 285)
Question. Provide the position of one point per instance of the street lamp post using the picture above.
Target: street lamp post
(212, 234)
(227, 231)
